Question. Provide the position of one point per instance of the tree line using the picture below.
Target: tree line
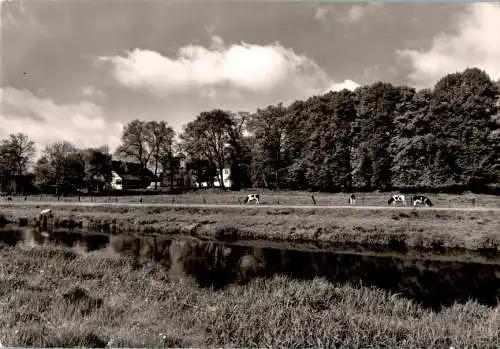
(378, 137)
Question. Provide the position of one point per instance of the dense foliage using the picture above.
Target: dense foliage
(379, 136)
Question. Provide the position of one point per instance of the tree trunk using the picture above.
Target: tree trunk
(171, 168)
(171, 178)
(277, 179)
(156, 172)
(221, 178)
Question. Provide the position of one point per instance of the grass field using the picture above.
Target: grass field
(374, 229)
(57, 297)
(54, 296)
(284, 198)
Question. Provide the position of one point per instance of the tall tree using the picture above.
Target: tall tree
(20, 150)
(344, 114)
(136, 143)
(463, 108)
(239, 150)
(160, 138)
(98, 167)
(411, 143)
(374, 128)
(207, 137)
(269, 127)
(16, 153)
(56, 164)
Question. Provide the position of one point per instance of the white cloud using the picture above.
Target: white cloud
(321, 13)
(210, 29)
(16, 14)
(7, 19)
(475, 42)
(355, 13)
(250, 68)
(347, 84)
(217, 43)
(93, 92)
(45, 122)
(358, 12)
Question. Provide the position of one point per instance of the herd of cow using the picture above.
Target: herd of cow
(394, 200)
(45, 218)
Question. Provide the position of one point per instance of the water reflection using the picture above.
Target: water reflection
(85, 241)
(432, 282)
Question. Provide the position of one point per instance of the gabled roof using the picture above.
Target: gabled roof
(131, 170)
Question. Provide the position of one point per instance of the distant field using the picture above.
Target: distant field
(55, 297)
(375, 229)
(285, 198)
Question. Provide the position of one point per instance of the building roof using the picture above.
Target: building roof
(131, 170)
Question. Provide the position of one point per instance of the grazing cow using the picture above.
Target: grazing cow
(252, 197)
(397, 198)
(421, 199)
(352, 199)
(45, 219)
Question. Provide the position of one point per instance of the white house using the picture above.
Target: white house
(116, 181)
(226, 173)
(225, 177)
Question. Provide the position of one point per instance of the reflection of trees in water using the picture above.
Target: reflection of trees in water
(211, 264)
(67, 238)
(149, 248)
(10, 236)
(433, 283)
(94, 241)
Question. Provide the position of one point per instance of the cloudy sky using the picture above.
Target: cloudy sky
(79, 70)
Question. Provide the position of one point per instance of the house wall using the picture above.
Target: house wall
(226, 173)
(116, 181)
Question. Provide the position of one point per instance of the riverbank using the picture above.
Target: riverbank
(53, 296)
(378, 230)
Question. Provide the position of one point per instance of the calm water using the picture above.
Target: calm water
(433, 281)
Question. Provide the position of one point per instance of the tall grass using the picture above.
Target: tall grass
(57, 297)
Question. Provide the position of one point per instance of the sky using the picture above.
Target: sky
(80, 70)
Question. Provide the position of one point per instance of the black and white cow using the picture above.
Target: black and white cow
(352, 199)
(252, 197)
(397, 198)
(422, 200)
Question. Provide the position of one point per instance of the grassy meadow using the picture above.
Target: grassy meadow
(372, 229)
(57, 297)
(217, 196)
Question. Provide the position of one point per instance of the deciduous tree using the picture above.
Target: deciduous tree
(160, 139)
(136, 143)
(207, 137)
